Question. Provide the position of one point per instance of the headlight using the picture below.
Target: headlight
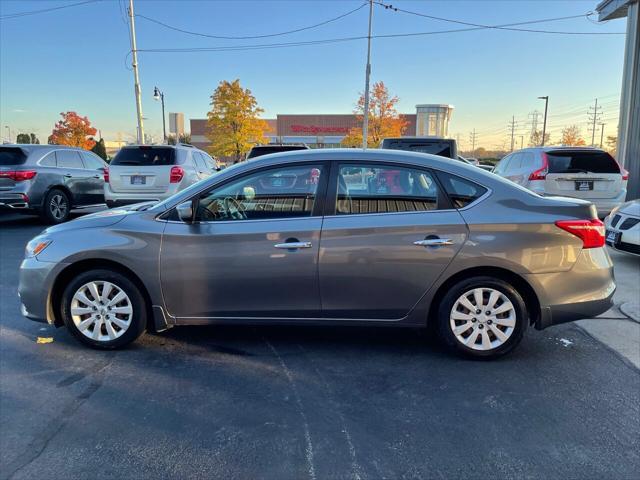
(36, 246)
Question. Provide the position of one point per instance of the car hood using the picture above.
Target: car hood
(102, 219)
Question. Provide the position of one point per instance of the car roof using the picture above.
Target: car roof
(560, 147)
(33, 147)
(415, 138)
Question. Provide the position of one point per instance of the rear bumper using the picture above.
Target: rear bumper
(585, 291)
(126, 198)
(14, 201)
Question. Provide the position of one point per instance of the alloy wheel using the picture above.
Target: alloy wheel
(58, 206)
(101, 311)
(483, 319)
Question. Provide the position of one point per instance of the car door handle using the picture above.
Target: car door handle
(292, 245)
(433, 242)
(67, 176)
(96, 176)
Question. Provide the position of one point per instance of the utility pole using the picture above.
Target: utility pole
(544, 125)
(365, 120)
(602, 124)
(472, 138)
(512, 124)
(594, 116)
(136, 79)
(521, 141)
(534, 123)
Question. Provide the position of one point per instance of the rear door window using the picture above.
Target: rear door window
(384, 189)
(581, 162)
(49, 160)
(145, 156)
(515, 163)
(11, 156)
(503, 165)
(92, 162)
(461, 191)
(68, 159)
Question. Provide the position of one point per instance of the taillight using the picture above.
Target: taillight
(591, 232)
(106, 175)
(176, 174)
(18, 175)
(541, 173)
(625, 173)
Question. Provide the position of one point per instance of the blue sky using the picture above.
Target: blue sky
(75, 59)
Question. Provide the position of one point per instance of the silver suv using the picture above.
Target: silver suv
(580, 172)
(154, 172)
(49, 180)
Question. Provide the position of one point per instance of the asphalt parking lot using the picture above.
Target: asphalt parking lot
(308, 402)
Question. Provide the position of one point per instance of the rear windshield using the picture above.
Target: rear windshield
(145, 156)
(434, 148)
(266, 150)
(11, 156)
(581, 162)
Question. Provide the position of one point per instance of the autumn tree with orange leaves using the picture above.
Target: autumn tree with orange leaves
(384, 120)
(73, 131)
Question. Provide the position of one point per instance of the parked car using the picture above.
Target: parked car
(623, 227)
(328, 237)
(581, 172)
(475, 162)
(154, 172)
(444, 147)
(260, 150)
(49, 180)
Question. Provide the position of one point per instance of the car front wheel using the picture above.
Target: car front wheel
(482, 317)
(104, 309)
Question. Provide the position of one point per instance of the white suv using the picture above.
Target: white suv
(580, 172)
(154, 172)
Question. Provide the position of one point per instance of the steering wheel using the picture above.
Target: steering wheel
(234, 209)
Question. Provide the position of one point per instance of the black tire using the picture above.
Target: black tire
(138, 321)
(56, 207)
(111, 204)
(445, 330)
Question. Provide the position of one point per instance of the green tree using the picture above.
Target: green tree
(234, 121)
(100, 149)
(23, 138)
(34, 139)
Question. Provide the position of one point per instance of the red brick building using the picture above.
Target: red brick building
(316, 130)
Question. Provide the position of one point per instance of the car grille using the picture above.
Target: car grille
(629, 223)
(615, 220)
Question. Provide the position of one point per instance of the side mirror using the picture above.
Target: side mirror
(185, 211)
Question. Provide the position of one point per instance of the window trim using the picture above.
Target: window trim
(332, 192)
(318, 204)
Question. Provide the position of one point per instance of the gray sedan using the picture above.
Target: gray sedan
(332, 237)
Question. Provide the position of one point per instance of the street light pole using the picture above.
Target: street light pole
(136, 79)
(544, 124)
(365, 120)
(158, 95)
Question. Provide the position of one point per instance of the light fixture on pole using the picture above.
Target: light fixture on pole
(158, 95)
(544, 124)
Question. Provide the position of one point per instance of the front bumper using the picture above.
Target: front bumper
(35, 286)
(585, 291)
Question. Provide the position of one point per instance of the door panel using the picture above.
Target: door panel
(370, 267)
(233, 269)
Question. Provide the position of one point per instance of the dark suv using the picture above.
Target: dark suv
(260, 150)
(50, 180)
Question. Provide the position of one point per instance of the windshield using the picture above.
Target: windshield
(145, 156)
(11, 156)
(581, 162)
(267, 149)
(436, 147)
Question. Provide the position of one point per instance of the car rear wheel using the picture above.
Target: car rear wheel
(482, 317)
(104, 309)
(56, 207)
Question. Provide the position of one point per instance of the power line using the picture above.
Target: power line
(507, 26)
(45, 10)
(249, 37)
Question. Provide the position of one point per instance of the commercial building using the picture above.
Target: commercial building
(176, 124)
(628, 150)
(328, 130)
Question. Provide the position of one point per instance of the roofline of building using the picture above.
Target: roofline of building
(611, 9)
